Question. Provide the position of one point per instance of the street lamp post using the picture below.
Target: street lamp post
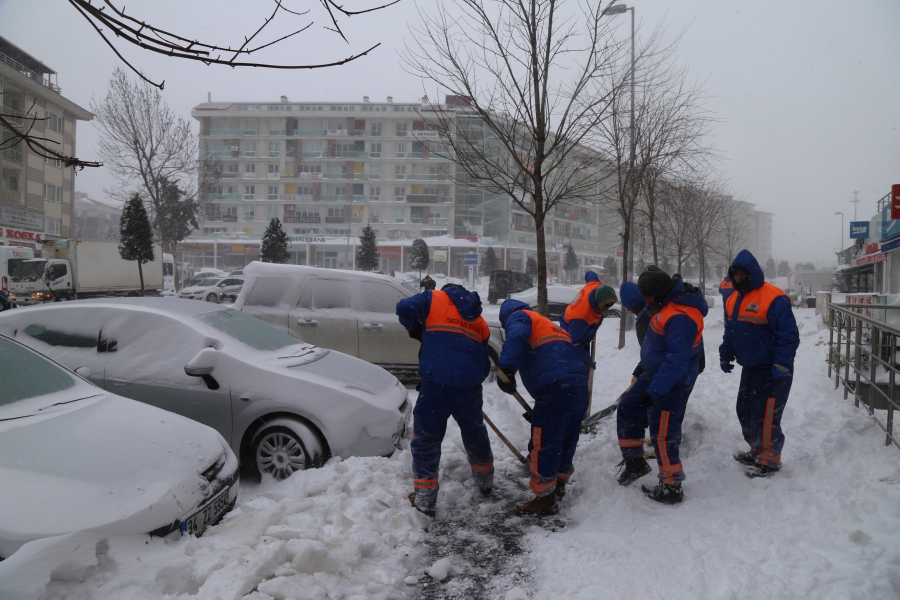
(841, 237)
(618, 9)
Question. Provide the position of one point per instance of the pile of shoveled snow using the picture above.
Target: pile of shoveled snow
(827, 526)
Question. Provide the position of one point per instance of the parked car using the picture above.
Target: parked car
(282, 405)
(350, 311)
(504, 283)
(213, 290)
(238, 271)
(74, 457)
(558, 298)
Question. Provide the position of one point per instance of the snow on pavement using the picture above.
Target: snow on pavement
(827, 526)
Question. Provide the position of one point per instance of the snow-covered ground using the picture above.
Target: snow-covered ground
(827, 526)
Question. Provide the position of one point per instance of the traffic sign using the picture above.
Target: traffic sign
(471, 259)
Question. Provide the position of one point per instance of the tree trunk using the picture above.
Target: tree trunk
(541, 259)
(625, 241)
(141, 273)
(176, 276)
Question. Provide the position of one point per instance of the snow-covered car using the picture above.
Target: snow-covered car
(350, 311)
(74, 457)
(282, 404)
(213, 290)
(558, 298)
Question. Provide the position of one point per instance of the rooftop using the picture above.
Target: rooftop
(26, 64)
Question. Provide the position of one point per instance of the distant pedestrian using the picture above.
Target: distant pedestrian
(761, 334)
(726, 289)
(670, 359)
(453, 361)
(427, 283)
(555, 373)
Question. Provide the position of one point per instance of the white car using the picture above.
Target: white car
(214, 289)
(282, 405)
(74, 457)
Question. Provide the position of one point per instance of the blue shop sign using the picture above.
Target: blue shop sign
(890, 245)
(859, 229)
(889, 227)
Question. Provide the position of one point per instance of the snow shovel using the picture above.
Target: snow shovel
(503, 438)
(591, 378)
(517, 395)
(590, 422)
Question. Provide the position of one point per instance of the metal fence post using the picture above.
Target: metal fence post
(857, 362)
(873, 367)
(836, 352)
(849, 319)
(889, 425)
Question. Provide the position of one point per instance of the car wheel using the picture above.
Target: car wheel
(212, 297)
(613, 313)
(283, 446)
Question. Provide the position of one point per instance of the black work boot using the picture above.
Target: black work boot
(541, 506)
(664, 493)
(761, 471)
(412, 500)
(560, 489)
(746, 458)
(635, 468)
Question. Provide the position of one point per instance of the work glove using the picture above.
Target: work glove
(647, 400)
(508, 388)
(726, 366)
(526, 416)
(415, 332)
(780, 371)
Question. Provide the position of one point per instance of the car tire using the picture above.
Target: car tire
(283, 446)
(212, 297)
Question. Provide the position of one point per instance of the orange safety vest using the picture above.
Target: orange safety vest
(659, 320)
(445, 317)
(755, 304)
(544, 331)
(725, 285)
(581, 305)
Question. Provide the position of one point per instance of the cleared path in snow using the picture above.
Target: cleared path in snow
(827, 526)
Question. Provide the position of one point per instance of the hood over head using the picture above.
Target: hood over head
(591, 276)
(509, 307)
(747, 262)
(655, 283)
(688, 295)
(467, 303)
(631, 297)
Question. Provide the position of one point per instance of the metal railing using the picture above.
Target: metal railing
(34, 75)
(866, 352)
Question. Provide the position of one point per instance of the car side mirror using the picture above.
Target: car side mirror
(83, 372)
(202, 363)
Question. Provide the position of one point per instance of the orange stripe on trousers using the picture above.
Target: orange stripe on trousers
(661, 444)
(767, 432)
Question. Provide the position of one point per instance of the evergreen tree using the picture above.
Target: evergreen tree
(531, 266)
(418, 255)
(367, 252)
(770, 268)
(136, 234)
(570, 262)
(176, 216)
(783, 268)
(489, 262)
(274, 244)
(611, 268)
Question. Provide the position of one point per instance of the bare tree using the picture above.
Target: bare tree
(709, 207)
(148, 149)
(676, 217)
(734, 232)
(17, 129)
(528, 82)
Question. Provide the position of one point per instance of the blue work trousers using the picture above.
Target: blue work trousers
(633, 418)
(555, 427)
(436, 404)
(760, 404)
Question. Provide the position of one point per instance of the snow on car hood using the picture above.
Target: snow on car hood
(101, 462)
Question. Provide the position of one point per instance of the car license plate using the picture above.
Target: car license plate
(200, 520)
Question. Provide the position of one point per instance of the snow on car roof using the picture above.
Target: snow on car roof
(259, 269)
(177, 306)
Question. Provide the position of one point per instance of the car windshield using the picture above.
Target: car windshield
(26, 374)
(31, 270)
(248, 330)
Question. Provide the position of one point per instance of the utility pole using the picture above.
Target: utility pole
(855, 201)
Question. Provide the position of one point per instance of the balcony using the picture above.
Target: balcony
(310, 175)
(13, 155)
(250, 154)
(272, 197)
(276, 132)
(302, 219)
(317, 154)
(333, 198)
(422, 177)
(349, 154)
(11, 196)
(400, 176)
(375, 176)
(338, 219)
(12, 115)
(285, 175)
(400, 155)
(33, 75)
(273, 176)
(374, 198)
(226, 132)
(340, 176)
(373, 220)
(399, 220)
(224, 196)
(250, 132)
(444, 221)
(249, 219)
(360, 176)
(274, 154)
(360, 198)
(249, 197)
(310, 132)
(336, 132)
(356, 219)
(422, 199)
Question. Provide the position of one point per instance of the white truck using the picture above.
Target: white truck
(73, 269)
(10, 259)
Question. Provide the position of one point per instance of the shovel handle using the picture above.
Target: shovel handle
(503, 438)
(500, 374)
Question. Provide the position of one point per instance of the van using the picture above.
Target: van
(10, 258)
(349, 311)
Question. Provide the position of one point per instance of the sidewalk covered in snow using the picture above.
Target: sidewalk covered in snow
(826, 526)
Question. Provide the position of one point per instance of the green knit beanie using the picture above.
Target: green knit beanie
(604, 294)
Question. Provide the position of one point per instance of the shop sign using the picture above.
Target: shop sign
(440, 256)
(251, 250)
(872, 258)
(17, 234)
(871, 248)
(308, 239)
(309, 176)
(889, 245)
(388, 252)
(21, 217)
(302, 219)
(859, 230)
(895, 201)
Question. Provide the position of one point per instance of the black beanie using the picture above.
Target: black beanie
(655, 283)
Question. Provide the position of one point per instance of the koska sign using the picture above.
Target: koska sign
(17, 234)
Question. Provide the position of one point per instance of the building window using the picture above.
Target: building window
(400, 172)
(230, 211)
(375, 150)
(250, 149)
(249, 192)
(400, 194)
(400, 215)
(54, 162)
(304, 190)
(231, 189)
(248, 213)
(54, 122)
(401, 150)
(337, 232)
(250, 168)
(272, 211)
(52, 193)
(374, 193)
(305, 231)
(375, 130)
(232, 169)
(402, 128)
(374, 214)
(52, 226)
(274, 149)
(215, 189)
(274, 168)
(310, 168)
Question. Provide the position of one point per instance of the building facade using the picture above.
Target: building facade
(328, 169)
(95, 220)
(36, 194)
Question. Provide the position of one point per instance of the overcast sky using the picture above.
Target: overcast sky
(806, 91)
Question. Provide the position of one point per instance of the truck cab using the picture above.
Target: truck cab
(39, 280)
(10, 258)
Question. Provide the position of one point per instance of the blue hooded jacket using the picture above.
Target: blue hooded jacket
(583, 332)
(551, 363)
(756, 339)
(669, 357)
(448, 358)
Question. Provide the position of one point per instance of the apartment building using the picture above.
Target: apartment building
(95, 220)
(36, 194)
(328, 169)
